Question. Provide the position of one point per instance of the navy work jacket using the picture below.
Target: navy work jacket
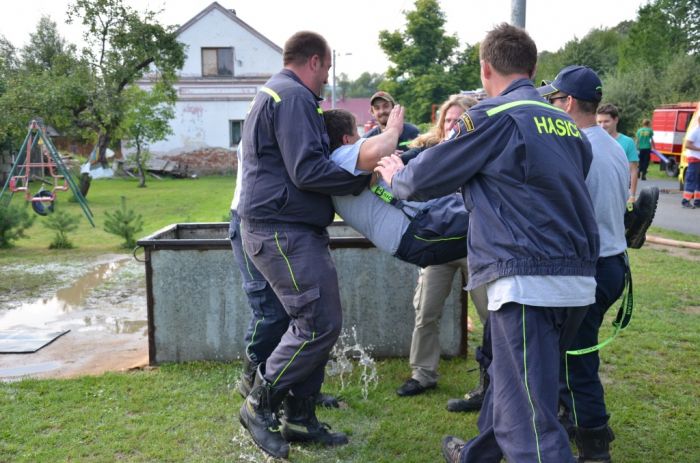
(521, 164)
(287, 174)
(409, 132)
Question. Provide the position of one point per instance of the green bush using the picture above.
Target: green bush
(62, 223)
(125, 223)
(13, 222)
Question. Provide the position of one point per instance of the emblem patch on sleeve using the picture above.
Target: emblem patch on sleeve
(468, 123)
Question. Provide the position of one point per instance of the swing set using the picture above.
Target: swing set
(47, 168)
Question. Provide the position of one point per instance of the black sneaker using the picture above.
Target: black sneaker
(471, 403)
(451, 448)
(412, 387)
(638, 220)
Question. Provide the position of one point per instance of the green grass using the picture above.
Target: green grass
(653, 172)
(674, 235)
(188, 412)
(161, 203)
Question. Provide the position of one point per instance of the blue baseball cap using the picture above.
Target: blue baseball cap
(581, 82)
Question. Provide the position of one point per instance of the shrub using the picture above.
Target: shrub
(125, 223)
(13, 222)
(62, 224)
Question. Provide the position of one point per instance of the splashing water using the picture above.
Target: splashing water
(346, 350)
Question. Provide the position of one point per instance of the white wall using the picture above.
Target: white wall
(205, 105)
(200, 124)
(251, 56)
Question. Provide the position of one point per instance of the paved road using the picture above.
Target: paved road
(669, 213)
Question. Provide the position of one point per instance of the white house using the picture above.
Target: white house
(227, 61)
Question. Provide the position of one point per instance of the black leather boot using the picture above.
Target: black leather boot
(473, 399)
(299, 423)
(594, 444)
(258, 417)
(245, 385)
(564, 417)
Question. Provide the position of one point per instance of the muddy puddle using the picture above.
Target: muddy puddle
(102, 303)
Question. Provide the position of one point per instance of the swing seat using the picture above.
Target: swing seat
(57, 187)
(18, 180)
(38, 200)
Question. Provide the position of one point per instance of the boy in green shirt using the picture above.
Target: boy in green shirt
(645, 142)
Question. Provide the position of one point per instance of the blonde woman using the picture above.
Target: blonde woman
(435, 281)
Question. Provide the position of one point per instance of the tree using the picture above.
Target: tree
(45, 47)
(48, 82)
(122, 46)
(365, 85)
(427, 64)
(683, 15)
(146, 120)
(599, 50)
(125, 223)
(653, 38)
(14, 220)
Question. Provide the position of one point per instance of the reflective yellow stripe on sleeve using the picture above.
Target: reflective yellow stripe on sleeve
(272, 93)
(512, 104)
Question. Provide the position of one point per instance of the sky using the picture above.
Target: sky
(351, 27)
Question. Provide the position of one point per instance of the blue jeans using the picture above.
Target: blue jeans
(268, 320)
(691, 192)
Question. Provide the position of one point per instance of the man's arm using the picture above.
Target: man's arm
(375, 148)
(633, 159)
(444, 168)
(690, 145)
(300, 138)
(634, 169)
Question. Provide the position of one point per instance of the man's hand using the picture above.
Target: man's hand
(388, 166)
(395, 120)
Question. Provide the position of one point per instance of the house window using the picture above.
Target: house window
(217, 62)
(234, 131)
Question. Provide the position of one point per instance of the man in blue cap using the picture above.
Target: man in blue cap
(578, 91)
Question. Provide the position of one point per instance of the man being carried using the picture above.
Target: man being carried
(421, 233)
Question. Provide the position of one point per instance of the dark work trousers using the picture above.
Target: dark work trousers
(584, 394)
(644, 155)
(518, 419)
(268, 320)
(297, 263)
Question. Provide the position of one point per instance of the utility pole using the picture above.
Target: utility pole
(333, 85)
(517, 13)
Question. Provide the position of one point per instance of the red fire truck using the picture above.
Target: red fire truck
(670, 123)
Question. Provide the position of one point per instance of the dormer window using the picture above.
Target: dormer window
(217, 62)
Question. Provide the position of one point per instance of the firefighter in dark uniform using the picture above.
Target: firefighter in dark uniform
(533, 240)
(285, 208)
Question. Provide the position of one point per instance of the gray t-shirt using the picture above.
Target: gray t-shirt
(607, 182)
(380, 222)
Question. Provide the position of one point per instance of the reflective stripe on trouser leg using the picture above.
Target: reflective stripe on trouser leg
(525, 377)
(299, 267)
